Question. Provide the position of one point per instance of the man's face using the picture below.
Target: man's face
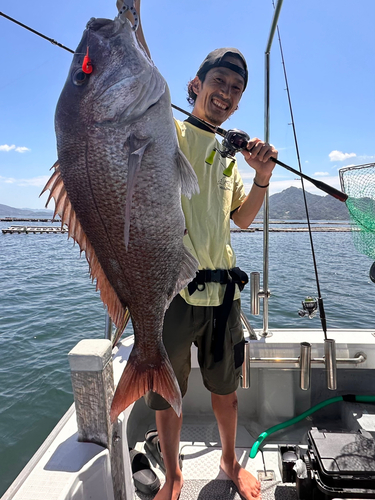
(218, 96)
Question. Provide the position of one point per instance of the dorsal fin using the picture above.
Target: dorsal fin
(119, 314)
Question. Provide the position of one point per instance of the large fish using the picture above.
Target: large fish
(117, 185)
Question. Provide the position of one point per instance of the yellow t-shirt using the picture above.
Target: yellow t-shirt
(207, 214)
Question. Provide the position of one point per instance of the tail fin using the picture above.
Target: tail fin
(139, 378)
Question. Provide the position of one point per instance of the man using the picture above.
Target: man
(196, 314)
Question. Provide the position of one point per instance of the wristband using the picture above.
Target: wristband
(259, 186)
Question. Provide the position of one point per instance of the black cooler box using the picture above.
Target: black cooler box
(339, 465)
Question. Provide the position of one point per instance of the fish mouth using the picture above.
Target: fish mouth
(103, 29)
(97, 24)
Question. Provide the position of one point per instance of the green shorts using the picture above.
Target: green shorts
(185, 324)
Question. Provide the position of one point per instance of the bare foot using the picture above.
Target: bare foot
(171, 489)
(248, 486)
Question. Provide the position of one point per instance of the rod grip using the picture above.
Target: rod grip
(319, 184)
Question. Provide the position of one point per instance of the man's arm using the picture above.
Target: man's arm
(139, 33)
(257, 156)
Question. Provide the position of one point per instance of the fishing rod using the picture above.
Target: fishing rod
(234, 140)
(308, 302)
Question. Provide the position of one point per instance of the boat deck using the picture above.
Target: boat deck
(203, 478)
(201, 452)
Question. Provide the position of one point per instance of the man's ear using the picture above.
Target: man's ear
(196, 85)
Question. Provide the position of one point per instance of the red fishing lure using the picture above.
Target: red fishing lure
(87, 64)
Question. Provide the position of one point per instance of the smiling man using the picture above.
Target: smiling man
(207, 312)
(201, 313)
(212, 103)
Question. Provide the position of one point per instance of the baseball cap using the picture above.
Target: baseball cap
(215, 59)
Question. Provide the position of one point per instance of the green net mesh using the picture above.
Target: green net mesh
(359, 184)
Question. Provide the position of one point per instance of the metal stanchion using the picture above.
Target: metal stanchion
(108, 328)
(305, 365)
(245, 377)
(254, 290)
(330, 363)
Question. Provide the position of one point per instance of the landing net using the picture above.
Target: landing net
(359, 184)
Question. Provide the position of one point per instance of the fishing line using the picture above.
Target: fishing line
(320, 299)
(36, 32)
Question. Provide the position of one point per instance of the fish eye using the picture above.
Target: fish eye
(79, 77)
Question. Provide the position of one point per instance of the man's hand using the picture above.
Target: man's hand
(257, 155)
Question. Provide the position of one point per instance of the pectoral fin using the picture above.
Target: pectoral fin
(189, 181)
(136, 149)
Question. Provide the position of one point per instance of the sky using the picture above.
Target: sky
(329, 53)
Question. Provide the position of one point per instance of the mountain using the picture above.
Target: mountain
(6, 211)
(289, 205)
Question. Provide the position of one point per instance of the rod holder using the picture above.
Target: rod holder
(305, 366)
(245, 377)
(330, 363)
(254, 293)
(108, 327)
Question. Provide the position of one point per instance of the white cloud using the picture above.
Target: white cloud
(321, 174)
(366, 158)
(340, 156)
(22, 149)
(7, 148)
(40, 181)
(18, 149)
(34, 181)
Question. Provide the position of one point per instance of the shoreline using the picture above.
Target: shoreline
(317, 226)
(256, 221)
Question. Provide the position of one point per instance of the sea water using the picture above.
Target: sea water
(48, 304)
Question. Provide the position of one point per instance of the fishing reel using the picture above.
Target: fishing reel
(234, 141)
(309, 307)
